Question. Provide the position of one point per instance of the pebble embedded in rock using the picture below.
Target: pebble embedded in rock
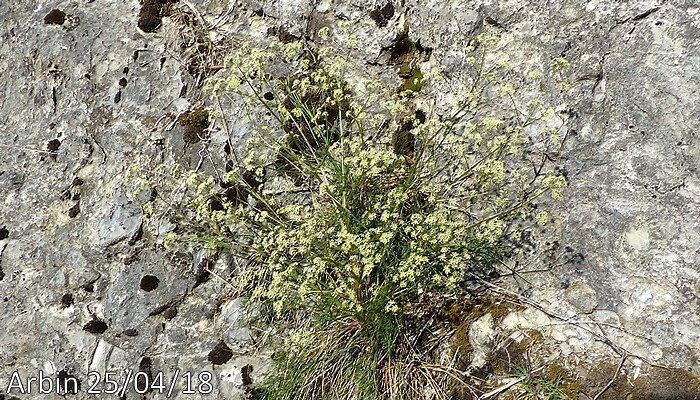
(582, 296)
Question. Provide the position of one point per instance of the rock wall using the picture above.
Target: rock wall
(85, 94)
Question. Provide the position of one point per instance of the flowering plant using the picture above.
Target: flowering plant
(353, 205)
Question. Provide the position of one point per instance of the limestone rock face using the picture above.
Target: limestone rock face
(85, 94)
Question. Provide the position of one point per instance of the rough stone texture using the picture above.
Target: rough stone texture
(481, 337)
(69, 108)
(631, 213)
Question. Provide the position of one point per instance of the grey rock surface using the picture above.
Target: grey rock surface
(481, 337)
(122, 221)
(624, 243)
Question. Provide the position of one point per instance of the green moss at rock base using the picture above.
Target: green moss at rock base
(515, 352)
(655, 384)
(461, 316)
(565, 380)
(470, 311)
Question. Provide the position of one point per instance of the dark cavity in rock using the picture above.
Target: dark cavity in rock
(67, 381)
(149, 16)
(96, 326)
(246, 372)
(382, 15)
(170, 313)
(67, 300)
(151, 13)
(55, 17)
(282, 34)
(202, 273)
(74, 211)
(145, 373)
(4, 233)
(130, 332)
(220, 354)
(149, 283)
(53, 145)
(160, 310)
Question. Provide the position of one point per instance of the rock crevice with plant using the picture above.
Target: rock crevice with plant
(363, 217)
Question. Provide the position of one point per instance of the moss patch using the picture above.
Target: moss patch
(461, 316)
(567, 383)
(515, 353)
(195, 124)
(656, 384)
(470, 311)
(413, 82)
(406, 54)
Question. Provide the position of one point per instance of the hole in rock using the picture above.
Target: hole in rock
(96, 326)
(55, 17)
(149, 283)
(220, 354)
(67, 300)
